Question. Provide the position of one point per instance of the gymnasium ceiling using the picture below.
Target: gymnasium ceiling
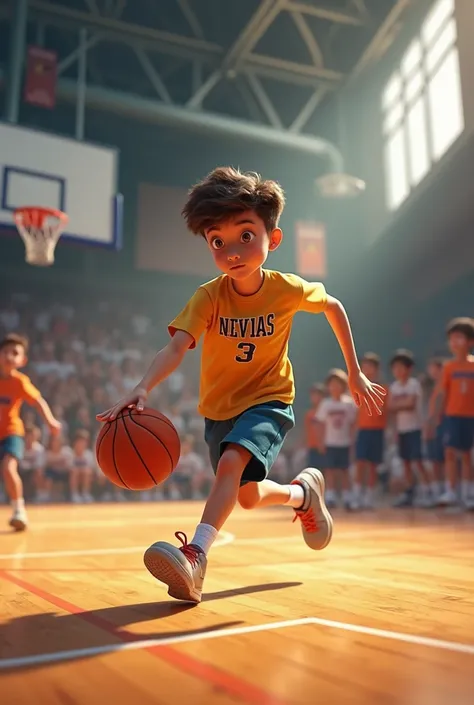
(274, 62)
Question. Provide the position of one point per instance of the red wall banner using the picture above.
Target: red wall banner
(310, 239)
(41, 77)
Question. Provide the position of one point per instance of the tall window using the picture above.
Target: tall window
(422, 105)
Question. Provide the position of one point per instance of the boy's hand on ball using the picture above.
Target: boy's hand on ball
(135, 399)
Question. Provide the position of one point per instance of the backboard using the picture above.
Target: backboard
(79, 178)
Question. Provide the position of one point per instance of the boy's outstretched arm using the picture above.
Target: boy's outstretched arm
(43, 407)
(361, 388)
(165, 362)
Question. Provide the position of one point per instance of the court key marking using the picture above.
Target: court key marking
(58, 656)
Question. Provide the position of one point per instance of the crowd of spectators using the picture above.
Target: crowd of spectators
(84, 355)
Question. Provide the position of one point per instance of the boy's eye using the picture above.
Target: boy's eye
(217, 243)
(247, 236)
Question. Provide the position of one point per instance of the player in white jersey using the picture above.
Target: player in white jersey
(337, 415)
(406, 402)
(82, 470)
(58, 463)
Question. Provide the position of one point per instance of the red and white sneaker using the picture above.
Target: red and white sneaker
(182, 569)
(316, 522)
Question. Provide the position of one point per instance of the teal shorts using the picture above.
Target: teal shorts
(12, 445)
(260, 429)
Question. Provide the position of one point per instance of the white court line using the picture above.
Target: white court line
(59, 656)
(121, 521)
(223, 539)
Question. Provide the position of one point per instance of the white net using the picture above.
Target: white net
(40, 231)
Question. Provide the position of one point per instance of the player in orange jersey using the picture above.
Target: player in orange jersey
(16, 388)
(434, 434)
(370, 441)
(456, 399)
(247, 386)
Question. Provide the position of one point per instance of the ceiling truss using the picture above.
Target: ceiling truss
(211, 63)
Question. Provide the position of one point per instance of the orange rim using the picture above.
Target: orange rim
(35, 216)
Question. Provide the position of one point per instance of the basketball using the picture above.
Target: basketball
(138, 450)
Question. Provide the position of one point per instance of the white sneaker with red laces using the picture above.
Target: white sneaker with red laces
(316, 522)
(182, 569)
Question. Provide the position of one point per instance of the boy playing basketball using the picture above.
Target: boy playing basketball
(15, 388)
(247, 386)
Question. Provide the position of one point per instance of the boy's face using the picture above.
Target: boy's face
(315, 398)
(459, 344)
(80, 445)
(241, 244)
(370, 369)
(434, 371)
(12, 357)
(336, 388)
(400, 371)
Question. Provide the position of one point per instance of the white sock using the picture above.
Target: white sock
(357, 490)
(296, 498)
(18, 504)
(204, 537)
(346, 495)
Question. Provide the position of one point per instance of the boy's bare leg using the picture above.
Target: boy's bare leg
(86, 485)
(466, 479)
(11, 478)
(225, 490)
(267, 494)
(359, 483)
(183, 569)
(14, 489)
(371, 486)
(74, 486)
(406, 498)
(449, 497)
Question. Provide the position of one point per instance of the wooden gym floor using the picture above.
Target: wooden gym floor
(384, 615)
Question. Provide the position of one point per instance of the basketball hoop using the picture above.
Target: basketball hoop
(340, 186)
(40, 229)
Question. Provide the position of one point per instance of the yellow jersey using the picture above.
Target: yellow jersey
(245, 349)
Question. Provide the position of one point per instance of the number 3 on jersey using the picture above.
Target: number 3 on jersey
(248, 351)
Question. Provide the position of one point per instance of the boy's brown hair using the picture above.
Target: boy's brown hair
(371, 357)
(14, 339)
(225, 192)
(465, 326)
(338, 374)
(318, 388)
(82, 434)
(405, 357)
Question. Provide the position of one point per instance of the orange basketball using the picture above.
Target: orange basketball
(138, 450)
